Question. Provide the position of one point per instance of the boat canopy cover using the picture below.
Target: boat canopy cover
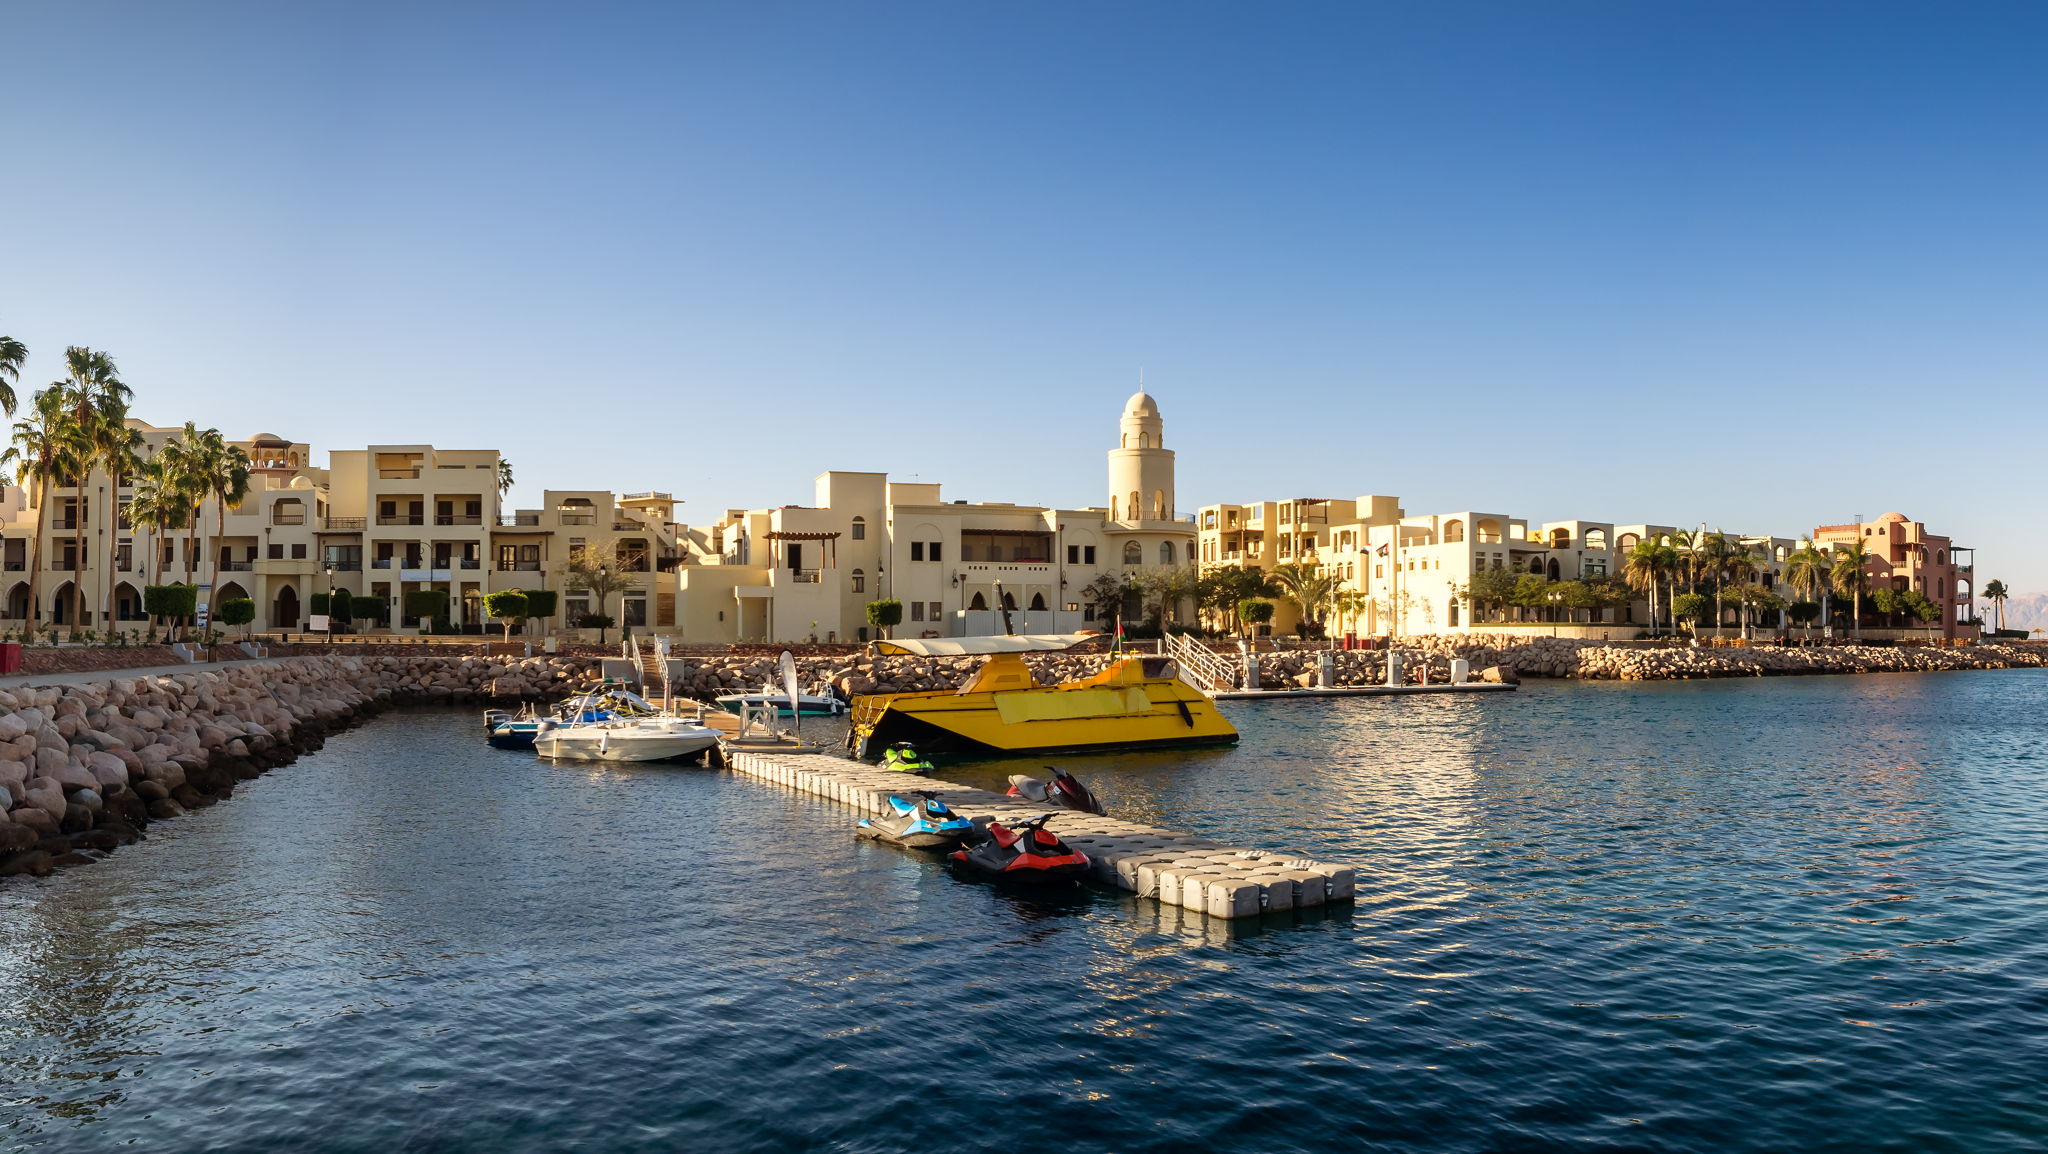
(979, 646)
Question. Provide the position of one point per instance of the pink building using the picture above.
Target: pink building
(1903, 556)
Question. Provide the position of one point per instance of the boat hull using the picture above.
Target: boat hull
(806, 706)
(1122, 708)
(624, 742)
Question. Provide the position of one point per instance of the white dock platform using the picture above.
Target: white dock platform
(1175, 868)
(1299, 692)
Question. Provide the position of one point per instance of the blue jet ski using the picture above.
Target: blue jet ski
(920, 821)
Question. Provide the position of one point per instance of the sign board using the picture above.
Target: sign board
(200, 613)
(318, 623)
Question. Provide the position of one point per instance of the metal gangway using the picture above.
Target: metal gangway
(1199, 667)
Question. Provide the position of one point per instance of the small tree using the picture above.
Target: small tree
(1253, 612)
(597, 621)
(238, 611)
(541, 604)
(171, 602)
(341, 607)
(318, 604)
(368, 610)
(508, 605)
(1692, 608)
(592, 572)
(426, 604)
(885, 614)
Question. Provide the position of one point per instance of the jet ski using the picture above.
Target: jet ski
(920, 821)
(904, 758)
(1064, 790)
(1028, 853)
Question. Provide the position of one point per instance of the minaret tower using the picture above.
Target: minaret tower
(1141, 466)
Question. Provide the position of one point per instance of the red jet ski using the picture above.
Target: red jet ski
(1063, 790)
(1029, 853)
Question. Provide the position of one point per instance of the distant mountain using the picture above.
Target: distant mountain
(2024, 611)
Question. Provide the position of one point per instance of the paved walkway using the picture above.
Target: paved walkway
(94, 675)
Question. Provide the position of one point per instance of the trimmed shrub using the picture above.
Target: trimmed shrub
(426, 603)
(367, 609)
(240, 611)
(172, 601)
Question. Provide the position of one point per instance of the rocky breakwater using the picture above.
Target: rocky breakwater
(1594, 660)
(86, 768)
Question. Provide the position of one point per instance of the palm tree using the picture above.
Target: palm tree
(1849, 579)
(114, 448)
(13, 355)
(159, 504)
(1996, 593)
(1645, 566)
(40, 452)
(1685, 552)
(1716, 551)
(1308, 586)
(1745, 569)
(504, 477)
(177, 470)
(1807, 572)
(93, 393)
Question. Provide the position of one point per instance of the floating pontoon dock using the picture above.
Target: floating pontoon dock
(1178, 869)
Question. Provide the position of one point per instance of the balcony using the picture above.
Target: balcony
(287, 518)
(381, 563)
(806, 576)
(579, 518)
(519, 567)
(345, 524)
(345, 566)
(15, 566)
(398, 474)
(990, 569)
(472, 563)
(510, 519)
(456, 519)
(237, 566)
(401, 519)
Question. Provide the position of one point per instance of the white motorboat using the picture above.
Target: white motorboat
(659, 738)
(807, 704)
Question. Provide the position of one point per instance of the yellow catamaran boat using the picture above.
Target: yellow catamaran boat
(1135, 703)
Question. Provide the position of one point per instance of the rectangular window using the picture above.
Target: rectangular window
(935, 551)
(860, 529)
(635, 612)
(1088, 614)
(277, 552)
(938, 611)
(1088, 555)
(299, 552)
(1073, 554)
(1073, 606)
(917, 610)
(860, 583)
(917, 550)
(576, 608)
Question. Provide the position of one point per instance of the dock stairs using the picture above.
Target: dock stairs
(1199, 667)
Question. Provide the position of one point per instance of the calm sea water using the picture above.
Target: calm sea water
(1742, 915)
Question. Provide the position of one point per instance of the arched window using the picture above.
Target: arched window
(1166, 552)
(1536, 565)
(860, 581)
(1038, 602)
(1009, 600)
(1137, 506)
(1560, 538)
(1596, 538)
(1159, 510)
(1553, 568)
(1489, 532)
(1112, 510)
(860, 528)
(1454, 530)
(1627, 541)
(1132, 554)
(978, 602)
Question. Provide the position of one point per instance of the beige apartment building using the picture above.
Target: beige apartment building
(797, 572)
(379, 521)
(1412, 571)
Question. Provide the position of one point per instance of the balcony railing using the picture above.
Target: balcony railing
(519, 518)
(288, 518)
(518, 566)
(398, 474)
(472, 563)
(400, 519)
(346, 524)
(456, 519)
(237, 566)
(579, 518)
(381, 563)
(806, 576)
(345, 566)
(16, 566)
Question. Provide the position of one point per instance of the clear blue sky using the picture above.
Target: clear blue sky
(1760, 265)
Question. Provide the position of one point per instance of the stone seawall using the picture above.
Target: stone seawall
(85, 768)
(1590, 660)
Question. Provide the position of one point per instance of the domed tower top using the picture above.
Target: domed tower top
(1142, 428)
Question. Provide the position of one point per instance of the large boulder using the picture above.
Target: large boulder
(107, 769)
(47, 795)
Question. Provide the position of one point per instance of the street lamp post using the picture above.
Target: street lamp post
(330, 604)
(604, 576)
